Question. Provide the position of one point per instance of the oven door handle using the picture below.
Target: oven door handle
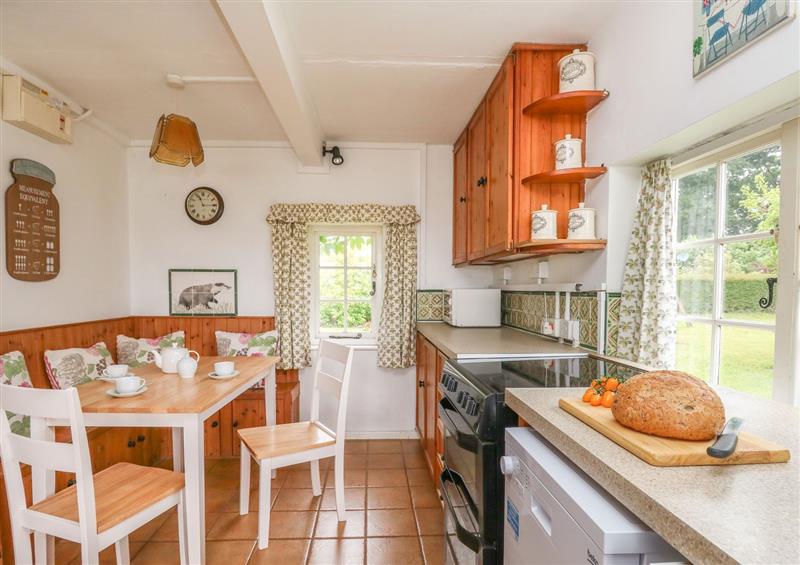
(471, 539)
(464, 440)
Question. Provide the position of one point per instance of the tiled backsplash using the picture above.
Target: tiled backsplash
(613, 300)
(430, 305)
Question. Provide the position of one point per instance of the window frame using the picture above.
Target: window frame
(376, 232)
(719, 240)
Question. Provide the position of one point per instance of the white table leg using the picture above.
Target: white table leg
(270, 400)
(193, 448)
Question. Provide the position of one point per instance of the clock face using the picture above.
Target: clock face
(204, 205)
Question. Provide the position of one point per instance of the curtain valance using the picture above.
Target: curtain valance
(342, 214)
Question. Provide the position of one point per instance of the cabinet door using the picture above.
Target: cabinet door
(430, 403)
(245, 415)
(499, 145)
(212, 433)
(476, 185)
(421, 387)
(460, 224)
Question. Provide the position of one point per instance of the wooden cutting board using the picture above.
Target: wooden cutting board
(665, 452)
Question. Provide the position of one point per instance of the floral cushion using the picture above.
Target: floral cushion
(134, 352)
(70, 367)
(231, 344)
(13, 371)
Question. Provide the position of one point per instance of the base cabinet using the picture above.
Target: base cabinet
(430, 362)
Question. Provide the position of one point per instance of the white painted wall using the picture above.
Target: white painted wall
(91, 187)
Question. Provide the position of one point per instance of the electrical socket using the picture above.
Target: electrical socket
(570, 329)
(550, 326)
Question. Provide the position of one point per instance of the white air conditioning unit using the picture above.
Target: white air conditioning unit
(27, 106)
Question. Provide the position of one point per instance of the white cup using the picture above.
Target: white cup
(124, 385)
(223, 368)
(115, 371)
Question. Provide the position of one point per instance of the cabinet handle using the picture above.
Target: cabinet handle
(140, 438)
(131, 443)
(214, 424)
(482, 181)
(70, 482)
(421, 383)
(462, 199)
(236, 423)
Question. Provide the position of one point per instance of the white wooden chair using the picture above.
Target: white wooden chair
(98, 510)
(287, 444)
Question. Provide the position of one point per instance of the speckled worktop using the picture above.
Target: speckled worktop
(467, 343)
(714, 514)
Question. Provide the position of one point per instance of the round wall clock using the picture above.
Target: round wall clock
(204, 205)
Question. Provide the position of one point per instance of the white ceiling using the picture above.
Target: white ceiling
(376, 71)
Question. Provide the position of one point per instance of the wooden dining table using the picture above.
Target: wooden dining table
(182, 404)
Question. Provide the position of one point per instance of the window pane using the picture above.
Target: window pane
(359, 316)
(693, 349)
(695, 280)
(747, 360)
(359, 251)
(753, 189)
(748, 264)
(331, 316)
(331, 250)
(359, 283)
(696, 198)
(331, 283)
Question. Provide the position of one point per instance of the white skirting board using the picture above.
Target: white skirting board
(402, 434)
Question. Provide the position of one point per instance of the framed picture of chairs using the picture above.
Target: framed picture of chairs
(723, 27)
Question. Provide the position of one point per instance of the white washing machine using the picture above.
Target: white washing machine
(555, 514)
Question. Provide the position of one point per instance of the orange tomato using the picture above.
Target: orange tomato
(612, 384)
(607, 399)
(595, 400)
(587, 396)
(594, 383)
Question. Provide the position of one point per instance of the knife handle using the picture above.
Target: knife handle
(724, 446)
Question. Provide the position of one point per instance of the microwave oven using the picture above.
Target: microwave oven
(472, 307)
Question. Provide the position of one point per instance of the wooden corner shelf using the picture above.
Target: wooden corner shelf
(556, 246)
(575, 102)
(579, 174)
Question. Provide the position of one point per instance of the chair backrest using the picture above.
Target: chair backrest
(46, 408)
(332, 378)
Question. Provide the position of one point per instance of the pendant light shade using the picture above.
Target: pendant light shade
(176, 141)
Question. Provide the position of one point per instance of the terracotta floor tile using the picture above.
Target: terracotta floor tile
(386, 478)
(273, 494)
(291, 524)
(355, 446)
(392, 551)
(337, 552)
(158, 553)
(411, 445)
(296, 499)
(415, 460)
(355, 461)
(385, 461)
(218, 500)
(352, 478)
(425, 497)
(391, 523)
(232, 526)
(419, 477)
(107, 557)
(433, 549)
(228, 552)
(281, 552)
(430, 521)
(326, 463)
(297, 466)
(146, 532)
(385, 446)
(388, 497)
(354, 499)
(301, 478)
(329, 526)
(168, 531)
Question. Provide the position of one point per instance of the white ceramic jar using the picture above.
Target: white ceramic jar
(580, 223)
(568, 153)
(576, 71)
(544, 223)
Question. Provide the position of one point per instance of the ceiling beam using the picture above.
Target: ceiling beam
(263, 36)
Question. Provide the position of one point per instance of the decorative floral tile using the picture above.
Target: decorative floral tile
(430, 305)
(613, 301)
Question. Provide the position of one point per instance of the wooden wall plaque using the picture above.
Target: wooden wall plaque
(33, 247)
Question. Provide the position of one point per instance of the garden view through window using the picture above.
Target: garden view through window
(346, 281)
(726, 250)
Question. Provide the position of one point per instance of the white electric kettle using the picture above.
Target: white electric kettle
(168, 359)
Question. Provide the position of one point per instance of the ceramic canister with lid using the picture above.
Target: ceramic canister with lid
(580, 223)
(576, 71)
(543, 223)
(568, 153)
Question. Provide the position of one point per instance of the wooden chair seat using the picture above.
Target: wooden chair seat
(121, 491)
(267, 442)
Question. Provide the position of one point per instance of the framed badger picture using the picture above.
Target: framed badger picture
(203, 292)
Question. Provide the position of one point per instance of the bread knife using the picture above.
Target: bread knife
(726, 440)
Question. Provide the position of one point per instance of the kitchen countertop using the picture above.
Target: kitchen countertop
(712, 514)
(472, 343)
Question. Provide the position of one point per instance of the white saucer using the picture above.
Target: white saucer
(112, 379)
(115, 394)
(213, 375)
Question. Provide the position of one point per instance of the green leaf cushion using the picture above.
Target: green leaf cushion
(232, 344)
(13, 371)
(70, 367)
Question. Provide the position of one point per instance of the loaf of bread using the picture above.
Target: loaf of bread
(669, 404)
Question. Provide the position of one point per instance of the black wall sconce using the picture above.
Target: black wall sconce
(336, 154)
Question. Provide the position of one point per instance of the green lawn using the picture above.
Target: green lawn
(747, 354)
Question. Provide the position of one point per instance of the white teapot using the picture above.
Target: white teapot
(168, 359)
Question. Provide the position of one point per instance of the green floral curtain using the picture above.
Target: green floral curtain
(396, 339)
(648, 304)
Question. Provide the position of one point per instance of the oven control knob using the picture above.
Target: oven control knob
(452, 385)
(460, 397)
(465, 400)
(509, 464)
(472, 407)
